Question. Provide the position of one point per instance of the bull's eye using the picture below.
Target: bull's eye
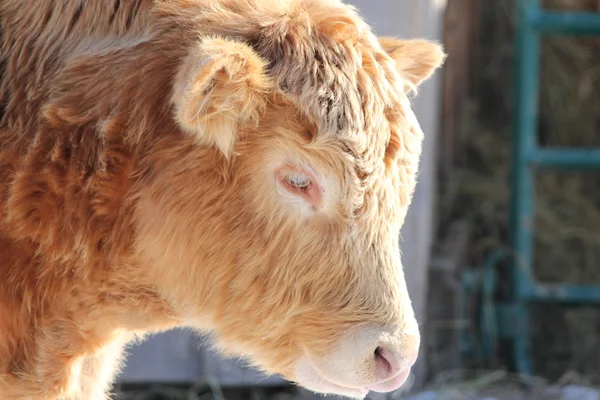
(298, 180)
(300, 183)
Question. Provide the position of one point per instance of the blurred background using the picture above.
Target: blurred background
(501, 246)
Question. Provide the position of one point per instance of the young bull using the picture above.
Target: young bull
(237, 166)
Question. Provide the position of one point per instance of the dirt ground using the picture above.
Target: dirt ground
(552, 393)
(459, 391)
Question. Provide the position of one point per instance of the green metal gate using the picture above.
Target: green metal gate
(511, 320)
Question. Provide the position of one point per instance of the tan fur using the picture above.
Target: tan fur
(137, 144)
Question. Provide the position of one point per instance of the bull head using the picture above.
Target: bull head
(288, 209)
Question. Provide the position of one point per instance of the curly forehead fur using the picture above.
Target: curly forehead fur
(326, 60)
(138, 140)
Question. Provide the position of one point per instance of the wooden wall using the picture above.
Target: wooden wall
(460, 40)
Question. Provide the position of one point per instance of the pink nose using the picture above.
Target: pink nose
(370, 358)
(391, 370)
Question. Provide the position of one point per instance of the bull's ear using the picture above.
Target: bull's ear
(220, 85)
(416, 59)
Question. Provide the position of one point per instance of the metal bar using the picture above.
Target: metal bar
(564, 293)
(581, 159)
(576, 23)
(524, 143)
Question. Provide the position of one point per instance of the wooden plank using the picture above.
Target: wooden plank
(419, 229)
(179, 356)
(459, 37)
(170, 357)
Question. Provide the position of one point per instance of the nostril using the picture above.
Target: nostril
(382, 367)
(391, 370)
(387, 363)
(378, 352)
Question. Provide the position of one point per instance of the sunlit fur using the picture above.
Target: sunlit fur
(138, 141)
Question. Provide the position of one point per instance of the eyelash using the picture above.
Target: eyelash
(297, 180)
